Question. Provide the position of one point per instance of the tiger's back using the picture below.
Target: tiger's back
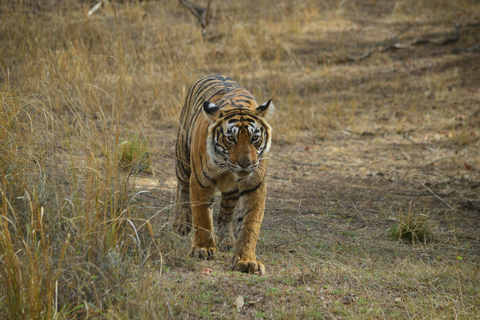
(222, 143)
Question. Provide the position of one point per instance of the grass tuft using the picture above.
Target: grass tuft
(134, 155)
(414, 227)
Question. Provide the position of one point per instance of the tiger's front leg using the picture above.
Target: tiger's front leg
(203, 245)
(251, 207)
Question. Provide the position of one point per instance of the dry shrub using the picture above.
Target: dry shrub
(134, 155)
(68, 235)
(414, 226)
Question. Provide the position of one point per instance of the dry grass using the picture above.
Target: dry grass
(414, 227)
(134, 155)
(355, 142)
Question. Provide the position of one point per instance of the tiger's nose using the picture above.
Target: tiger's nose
(244, 163)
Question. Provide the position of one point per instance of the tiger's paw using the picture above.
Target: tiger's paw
(181, 228)
(226, 244)
(207, 253)
(248, 266)
(226, 236)
(182, 225)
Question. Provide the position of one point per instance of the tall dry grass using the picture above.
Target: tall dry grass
(67, 230)
(68, 235)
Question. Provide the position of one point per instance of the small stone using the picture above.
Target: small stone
(239, 302)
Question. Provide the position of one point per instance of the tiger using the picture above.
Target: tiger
(222, 143)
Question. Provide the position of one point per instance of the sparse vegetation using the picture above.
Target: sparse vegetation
(414, 227)
(377, 106)
(134, 155)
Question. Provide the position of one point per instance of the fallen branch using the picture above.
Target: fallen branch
(419, 194)
(440, 40)
(201, 13)
(352, 58)
(286, 242)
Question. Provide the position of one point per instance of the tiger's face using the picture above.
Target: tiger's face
(239, 138)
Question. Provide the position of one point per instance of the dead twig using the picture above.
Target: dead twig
(368, 210)
(352, 58)
(438, 159)
(202, 14)
(286, 242)
(438, 197)
(292, 56)
(440, 40)
(358, 212)
(95, 8)
(419, 194)
(298, 222)
(357, 227)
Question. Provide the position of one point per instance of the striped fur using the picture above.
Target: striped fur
(222, 143)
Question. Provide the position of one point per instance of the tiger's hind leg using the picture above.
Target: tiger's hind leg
(182, 212)
(225, 228)
(182, 218)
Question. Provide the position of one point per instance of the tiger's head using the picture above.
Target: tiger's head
(238, 137)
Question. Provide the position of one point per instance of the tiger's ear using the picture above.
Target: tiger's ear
(266, 110)
(211, 110)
